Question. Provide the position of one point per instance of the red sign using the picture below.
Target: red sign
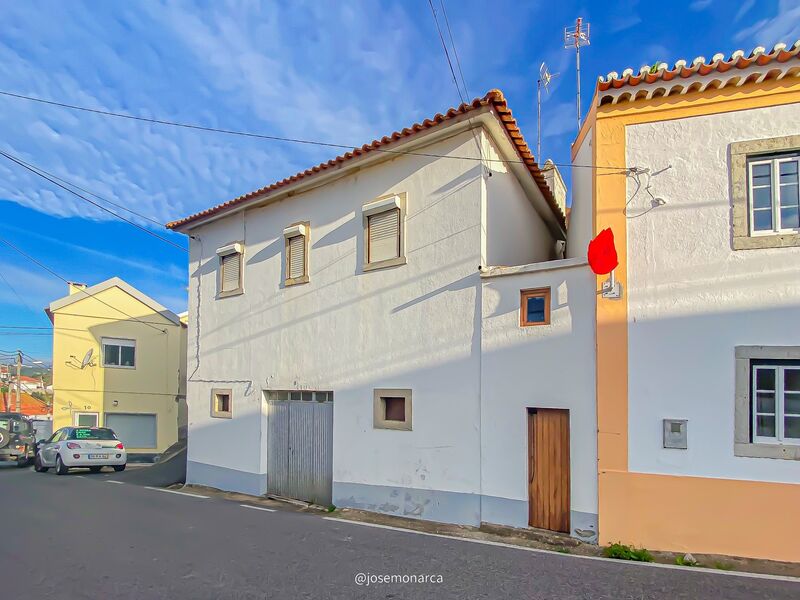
(602, 253)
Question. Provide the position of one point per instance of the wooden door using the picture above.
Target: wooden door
(548, 469)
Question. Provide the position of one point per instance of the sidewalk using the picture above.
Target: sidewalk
(538, 539)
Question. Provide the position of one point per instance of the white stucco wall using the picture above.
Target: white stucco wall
(515, 232)
(413, 326)
(692, 298)
(549, 366)
(579, 230)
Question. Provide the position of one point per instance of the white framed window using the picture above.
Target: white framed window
(774, 194)
(230, 277)
(384, 232)
(296, 253)
(775, 402)
(119, 353)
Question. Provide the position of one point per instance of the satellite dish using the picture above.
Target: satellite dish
(87, 358)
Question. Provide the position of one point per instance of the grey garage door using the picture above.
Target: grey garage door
(300, 445)
(134, 430)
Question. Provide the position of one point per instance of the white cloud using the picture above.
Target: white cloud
(624, 22)
(558, 119)
(783, 27)
(699, 5)
(744, 9)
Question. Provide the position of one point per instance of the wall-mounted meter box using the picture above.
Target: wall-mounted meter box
(675, 433)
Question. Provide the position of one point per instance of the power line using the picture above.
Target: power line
(16, 293)
(453, 44)
(446, 53)
(49, 270)
(98, 196)
(279, 138)
(37, 171)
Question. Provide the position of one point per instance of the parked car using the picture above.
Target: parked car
(80, 447)
(17, 442)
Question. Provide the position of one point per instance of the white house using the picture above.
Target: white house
(397, 330)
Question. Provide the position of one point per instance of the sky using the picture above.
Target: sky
(338, 72)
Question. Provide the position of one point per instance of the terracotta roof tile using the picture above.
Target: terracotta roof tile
(647, 74)
(493, 99)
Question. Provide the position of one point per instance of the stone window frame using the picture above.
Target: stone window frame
(303, 229)
(742, 444)
(740, 151)
(368, 210)
(379, 408)
(221, 414)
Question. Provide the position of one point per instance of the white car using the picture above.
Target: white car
(80, 447)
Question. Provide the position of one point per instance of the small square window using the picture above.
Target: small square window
(221, 403)
(392, 409)
(534, 307)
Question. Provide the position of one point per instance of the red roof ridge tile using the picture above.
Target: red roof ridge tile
(699, 66)
(493, 98)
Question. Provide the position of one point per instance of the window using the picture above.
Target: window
(384, 243)
(230, 270)
(392, 409)
(221, 403)
(775, 402)
(767, 402)
(774, 195)
(534, 307)
(298, 395)
(765, 192)
(119, 353)
(296, 252)
(86, 419)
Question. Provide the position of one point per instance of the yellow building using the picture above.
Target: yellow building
(119, 361)
(694, 169)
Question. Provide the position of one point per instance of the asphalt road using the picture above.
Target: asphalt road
(81, 536)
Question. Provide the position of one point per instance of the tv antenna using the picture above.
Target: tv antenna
(543, 82)
(575, 37)
(87, 358)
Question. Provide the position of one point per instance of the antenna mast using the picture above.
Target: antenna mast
(543, 82)
(575, 37)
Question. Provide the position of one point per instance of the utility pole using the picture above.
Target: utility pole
(19, 383)
(575, 37)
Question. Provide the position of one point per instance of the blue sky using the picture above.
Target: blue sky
(341, 72)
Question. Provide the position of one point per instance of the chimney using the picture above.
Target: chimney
(74, 287)
(556, 184)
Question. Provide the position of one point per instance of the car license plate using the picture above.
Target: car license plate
(98, 456)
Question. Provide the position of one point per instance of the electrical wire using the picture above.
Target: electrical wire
(109, 113)
(453, 44)
(96, 195)
(36, 171)
(81, 290)
(446, 53)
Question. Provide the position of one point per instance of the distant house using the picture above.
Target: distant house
(118, 361)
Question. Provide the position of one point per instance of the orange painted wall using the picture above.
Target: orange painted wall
(702, 515)
(668, 512)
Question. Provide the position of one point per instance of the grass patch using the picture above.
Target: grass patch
(723, 566)
(330, 508)
(623, 552)
(563, 550)
(679, 560)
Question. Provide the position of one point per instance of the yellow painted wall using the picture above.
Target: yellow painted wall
(151, 387)
(677, 513)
